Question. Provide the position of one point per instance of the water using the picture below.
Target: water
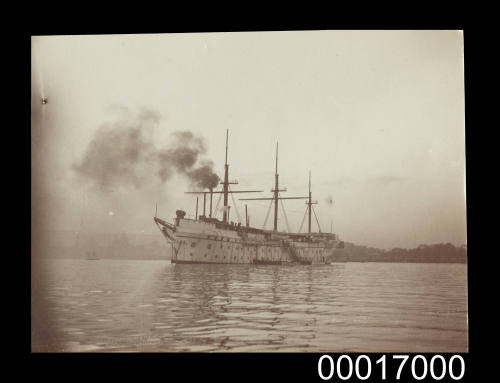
(136, 305)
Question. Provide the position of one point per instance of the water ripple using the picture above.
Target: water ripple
(156, 306)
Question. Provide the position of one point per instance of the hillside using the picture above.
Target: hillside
(436, 253)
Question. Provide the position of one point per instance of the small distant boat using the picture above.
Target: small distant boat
(92, 257)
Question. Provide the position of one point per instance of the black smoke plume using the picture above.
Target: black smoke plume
(123, 153)
(203, 176)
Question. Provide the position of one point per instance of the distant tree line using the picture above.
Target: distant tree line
(436, 253)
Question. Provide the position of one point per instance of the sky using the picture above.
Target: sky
(377, 117)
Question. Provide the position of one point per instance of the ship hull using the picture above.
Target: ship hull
(197, 242)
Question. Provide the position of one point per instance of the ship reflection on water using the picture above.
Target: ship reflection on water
(115, 305)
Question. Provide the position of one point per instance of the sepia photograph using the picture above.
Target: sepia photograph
(272, 191)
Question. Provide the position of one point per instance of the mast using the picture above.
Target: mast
(276, 193)
(275, 198)
(309, 204)
(226, 183)
(204, 203)
(211, 194)
(246, 216)
(225, 190)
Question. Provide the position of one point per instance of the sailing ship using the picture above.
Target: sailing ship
(206, 239)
